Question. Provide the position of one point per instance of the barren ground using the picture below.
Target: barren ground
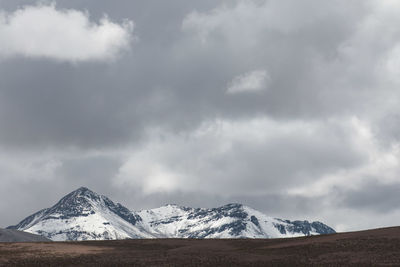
(366, 248)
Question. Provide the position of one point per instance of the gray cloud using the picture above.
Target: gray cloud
(381, 198)
(157, 125)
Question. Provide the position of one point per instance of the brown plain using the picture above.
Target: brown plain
(379, 247)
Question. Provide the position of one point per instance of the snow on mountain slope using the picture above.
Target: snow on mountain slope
(229, 221)
(86, 215)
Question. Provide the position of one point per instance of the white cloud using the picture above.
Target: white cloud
(256, 80)
(255, 156)
(246, 22)
(61, 34)
(23, 168)
(382, 163)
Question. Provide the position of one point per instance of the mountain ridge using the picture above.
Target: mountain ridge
(86, 215)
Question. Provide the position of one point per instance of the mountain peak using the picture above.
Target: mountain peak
(84, 214)
(80, 197)
(76, 203)
(83, 191)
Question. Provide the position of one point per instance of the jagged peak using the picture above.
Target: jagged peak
(83, 189)
(82, 192)
(83, 201)
(77, 201)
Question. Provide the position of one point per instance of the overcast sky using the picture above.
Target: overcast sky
(290, 107)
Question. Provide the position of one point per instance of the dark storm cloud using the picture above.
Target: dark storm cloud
(169, 78)
(59, 104)
(157, 122)
(95, 105)
(381, 198)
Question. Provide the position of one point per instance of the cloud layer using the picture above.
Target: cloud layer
(289, 107)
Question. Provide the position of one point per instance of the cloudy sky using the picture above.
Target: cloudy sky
(290, 107)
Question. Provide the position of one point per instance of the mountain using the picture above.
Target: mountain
(229, 221)
(86, 215)
(11, 235)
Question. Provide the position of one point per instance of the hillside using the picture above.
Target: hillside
(11, 235)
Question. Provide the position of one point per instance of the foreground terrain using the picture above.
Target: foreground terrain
(365, 248)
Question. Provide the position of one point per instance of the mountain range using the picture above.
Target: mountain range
(86, 215)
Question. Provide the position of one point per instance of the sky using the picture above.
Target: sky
(290, 107)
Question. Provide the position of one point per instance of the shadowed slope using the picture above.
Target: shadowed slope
(11, 235)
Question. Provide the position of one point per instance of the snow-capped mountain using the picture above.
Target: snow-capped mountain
(86, 215)
(229, 221)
